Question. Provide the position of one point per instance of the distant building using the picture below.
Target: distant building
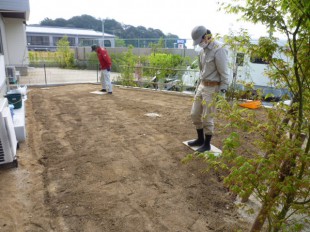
(45, 38)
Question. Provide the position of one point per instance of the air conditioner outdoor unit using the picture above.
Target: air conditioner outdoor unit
(11, 74)
(8, 141)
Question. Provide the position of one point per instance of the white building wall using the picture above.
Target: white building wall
(3, 87)
(4, 43)
(16, 42)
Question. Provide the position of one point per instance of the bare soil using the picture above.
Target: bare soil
(99, 163)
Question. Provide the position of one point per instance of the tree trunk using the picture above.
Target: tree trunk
(285, 121)
(273, 192)
(285, 209)
(246, 197)
(265, 209)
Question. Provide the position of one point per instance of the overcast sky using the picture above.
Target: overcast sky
(169, 16)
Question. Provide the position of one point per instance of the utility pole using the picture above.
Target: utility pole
(102, 32)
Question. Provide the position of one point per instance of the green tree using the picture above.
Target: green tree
(156, 47)
(164, 65)
(279, 178)
(65, 55)
(119, 42)
(48, 22)
(127, 70)
(171, 40)
(277, 169)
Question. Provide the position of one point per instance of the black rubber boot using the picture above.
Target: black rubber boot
(206, 146)
(199, 141)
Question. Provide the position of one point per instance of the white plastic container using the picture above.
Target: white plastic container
(21, 90)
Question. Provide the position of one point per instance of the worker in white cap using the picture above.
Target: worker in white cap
(213, 64)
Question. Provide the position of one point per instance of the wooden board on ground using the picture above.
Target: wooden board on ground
(98, 92)
(214, 149)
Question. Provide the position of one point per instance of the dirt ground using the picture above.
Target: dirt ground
(99, 163)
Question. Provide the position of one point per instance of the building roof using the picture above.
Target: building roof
(65, 31)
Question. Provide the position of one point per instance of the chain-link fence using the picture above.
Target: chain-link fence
(46, 75)
(137, 76)
(81, 66)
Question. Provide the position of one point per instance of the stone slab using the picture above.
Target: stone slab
(214, 149)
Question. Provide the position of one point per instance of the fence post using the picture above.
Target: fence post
(45, 74)
(97, 72)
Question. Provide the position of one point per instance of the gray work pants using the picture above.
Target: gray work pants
(105, 80)
(203, 110)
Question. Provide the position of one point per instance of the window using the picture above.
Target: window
(107, 43)
(240, 59)
(38, 40)
(87, 42)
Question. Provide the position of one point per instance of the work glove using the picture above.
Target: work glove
(109, 69)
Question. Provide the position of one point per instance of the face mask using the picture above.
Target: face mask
(203, 44)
